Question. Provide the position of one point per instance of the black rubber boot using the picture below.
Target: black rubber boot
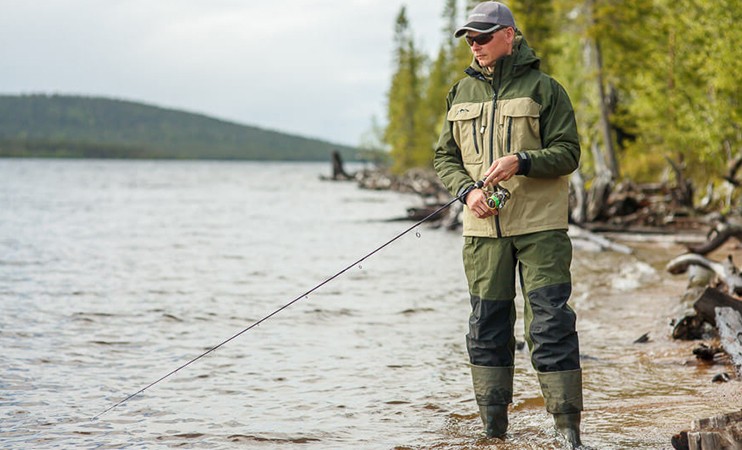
(493, 389)
(494, 419)
(563, 397)
(568, 426)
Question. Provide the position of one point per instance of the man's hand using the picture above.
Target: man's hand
(477, 203)
(502, 169)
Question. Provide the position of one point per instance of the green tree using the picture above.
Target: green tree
(441, 76)
(676, 81)
(403, 98)
(536, 19)
(462, 53)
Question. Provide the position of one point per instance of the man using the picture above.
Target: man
(511, 125)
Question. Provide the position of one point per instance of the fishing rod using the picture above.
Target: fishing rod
(496, 200)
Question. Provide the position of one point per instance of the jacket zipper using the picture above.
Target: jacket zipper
(508, 135)
(498, 230)
(492, 128)
(474, 135)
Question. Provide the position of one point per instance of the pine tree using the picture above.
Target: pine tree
(403, 98)
(536, 20)
(440, 78)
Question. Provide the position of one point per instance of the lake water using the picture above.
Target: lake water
(114, 273)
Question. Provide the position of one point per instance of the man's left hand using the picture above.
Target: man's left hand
(502, 169)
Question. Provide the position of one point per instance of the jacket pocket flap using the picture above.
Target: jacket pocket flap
(521, 107)
(464, 111)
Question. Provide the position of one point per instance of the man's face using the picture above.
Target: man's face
(500, 45)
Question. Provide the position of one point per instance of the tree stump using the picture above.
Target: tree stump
(338, 170)
(722, 432)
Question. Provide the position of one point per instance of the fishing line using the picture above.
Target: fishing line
(479, 184)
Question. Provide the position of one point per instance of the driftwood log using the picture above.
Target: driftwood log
(722, 432)
(726, 271)
(577, 198)
(338, 170)
(732, 169)
(600, 242)
(729, 324)
(694, 326)
(718, 235)
(706, 305)
(710, 300)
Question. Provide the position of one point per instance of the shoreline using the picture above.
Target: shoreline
(684, 230)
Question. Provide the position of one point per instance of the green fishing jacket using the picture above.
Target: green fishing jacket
(517, 109)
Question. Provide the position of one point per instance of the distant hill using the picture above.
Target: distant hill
(72, 126)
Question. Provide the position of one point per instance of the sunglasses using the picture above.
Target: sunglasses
(481, 39)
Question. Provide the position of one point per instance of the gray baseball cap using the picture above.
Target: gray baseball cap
(487, 17)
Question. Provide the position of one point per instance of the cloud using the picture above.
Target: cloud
(317, 68)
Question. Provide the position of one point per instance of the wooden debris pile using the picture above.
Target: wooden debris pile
(639, 207)
(714, 289)
(423, 183)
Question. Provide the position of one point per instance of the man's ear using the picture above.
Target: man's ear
(510, 34)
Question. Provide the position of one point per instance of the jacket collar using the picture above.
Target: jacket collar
(519, 61)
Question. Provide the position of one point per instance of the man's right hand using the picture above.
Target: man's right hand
(476, 200)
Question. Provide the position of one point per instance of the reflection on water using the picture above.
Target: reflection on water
(113, 273)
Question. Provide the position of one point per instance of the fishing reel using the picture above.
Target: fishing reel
(498, 198)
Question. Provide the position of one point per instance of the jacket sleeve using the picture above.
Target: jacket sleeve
(561, 153)
(447, 160)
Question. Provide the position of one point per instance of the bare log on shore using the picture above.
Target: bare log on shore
(729, 324)
(726, 271)
(602, 243)
(710, 300)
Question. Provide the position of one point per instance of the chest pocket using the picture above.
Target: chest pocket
(519, 125)
(466, 122)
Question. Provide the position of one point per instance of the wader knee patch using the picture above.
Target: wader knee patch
(552, 329)
(490, 341)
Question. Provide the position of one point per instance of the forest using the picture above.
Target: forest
(654, 84)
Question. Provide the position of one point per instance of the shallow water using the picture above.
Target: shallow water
(114, 273)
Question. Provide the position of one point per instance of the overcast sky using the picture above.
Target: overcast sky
(317, 68)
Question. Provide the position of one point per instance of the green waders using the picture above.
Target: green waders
(543, 260)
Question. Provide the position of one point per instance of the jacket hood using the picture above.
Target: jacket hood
(521, 60)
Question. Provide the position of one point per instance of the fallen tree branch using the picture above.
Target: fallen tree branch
(721, 233)
(732, 169)
(727, 272)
